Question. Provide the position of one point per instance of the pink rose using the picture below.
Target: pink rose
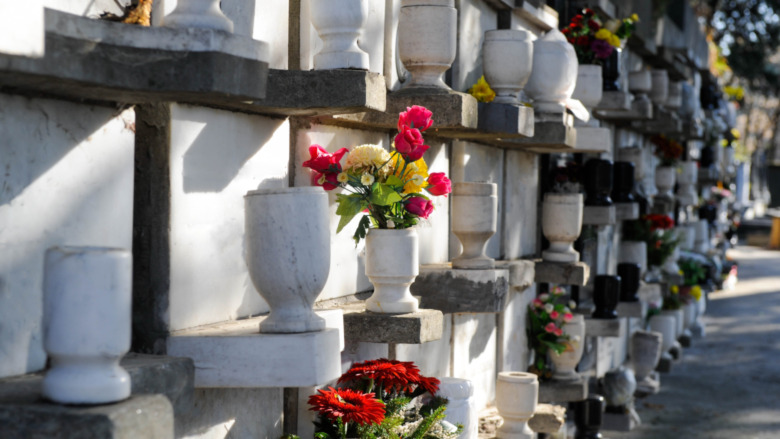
(567, 317)
(554, 315)
(419, 206)
(409, 143)
(324, 162)
(328, 181)
(538, 303)
(558, 332)
(551, 328)
(415, 117)
(439, 184)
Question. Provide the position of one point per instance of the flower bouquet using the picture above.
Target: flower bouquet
(667, 150)
(595, 41)
(388, 186)
(382, 399)
(656, 231)
(693, 276)
(547, 315)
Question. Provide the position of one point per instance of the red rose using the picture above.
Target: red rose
(409, 143)
(439, 184)
(594, 25)
(419, 206)
(577, 19)
(322, 161)
(415, 117)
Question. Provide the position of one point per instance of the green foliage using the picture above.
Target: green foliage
(693, 272)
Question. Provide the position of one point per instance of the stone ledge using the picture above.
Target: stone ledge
(641, 109)
(521, 272)
(412, 328)
(599, 215)
(649, 292)
(605, 327)
(548, 418)
(613, 101)
(558, 391)
(562, 273)
(88, 59)
(636, 309)
(147, 416)
(451, 290)
(149, 374)
(664, 121)
(453, 112)
(503, 121)
(236, 354)
(626, 211)
(552, 133)
(618, 422)
(593, 139)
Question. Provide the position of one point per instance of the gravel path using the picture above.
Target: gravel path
(728, 383)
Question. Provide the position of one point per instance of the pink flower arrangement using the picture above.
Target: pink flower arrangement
(547, 315)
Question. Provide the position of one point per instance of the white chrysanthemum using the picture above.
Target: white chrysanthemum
(368, 158)
(367, 179)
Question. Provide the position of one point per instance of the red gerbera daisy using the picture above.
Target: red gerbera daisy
(400, 376)
(349, 405)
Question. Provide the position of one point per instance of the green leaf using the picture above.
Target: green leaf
(394, 181)
(349, 206)
(362, 229)
(384, 195)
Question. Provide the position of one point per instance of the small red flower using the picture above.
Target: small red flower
(417, 117)
(349, 405)
(593, 25)
(577, 19)
(328, 181)
(439, 184)
(390, 375)
(419, 206)
(322, 161)
(409, 143)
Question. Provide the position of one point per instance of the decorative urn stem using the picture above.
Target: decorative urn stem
(561, 225)
(686, 190)
(565, 363)
(507, 57)
(474, 219)
(516, 398)
(339, 24)
(391, 266)
(202, 14)
(86, 324)
(427, 40)
(660, 90)
(554, 74)
(606, 295)
(640, 83)
(588, 89)
(288, 256)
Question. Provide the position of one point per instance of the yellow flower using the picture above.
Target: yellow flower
(369, 159)
(367, 179)
(634, 17)
(603, 34)
(342, 177)
(615, 41)
(696, 292)
(482, 91)
(416, 174)
(674, 289)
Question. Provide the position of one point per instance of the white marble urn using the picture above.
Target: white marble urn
(474, 220)
(427, 40)
(565, 363)
(288, 254)
(462, 407)
(660, 91)
(339, 23)
(665, 178)
(634, 252)
(640, 83)
(588, 89)
(687, 179)
(554, 74)
(666, 325)
(86, 323)
(507, 58)
(561, 225)
(702, 240)
(392, 264)
(635, 155)
(645, 352)
(201, 14)
(516, 399)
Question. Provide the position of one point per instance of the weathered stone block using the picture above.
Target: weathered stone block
(412, 328)
(640, 109)
(599, 215)
(593, 139)
(113, 62)
(574, 273)
(459, 290)
(146, 416)
(503, 120)
(548, 418)
(521, 272)
(618, 422)
(605, 327)
(626, 211)
(552, 133)
(614, 101)
(558, 391)
(236, 354)
(632, 309)
(663, 121)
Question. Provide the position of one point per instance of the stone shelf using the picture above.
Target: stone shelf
(636, 309)
(664, 121)
(593, 139)
(98, 60)
(562, 273)
(599, 215)
(412, 328)
(548, 418)
(626, 211)
(451, 290)
(617, 422)
(558, 391)
(641, 109)
(521, 272)
(453, 112)
(613, 101)
(605, 327)
(141, 416)
(552, 133)
(149, 374)
(236, 354)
